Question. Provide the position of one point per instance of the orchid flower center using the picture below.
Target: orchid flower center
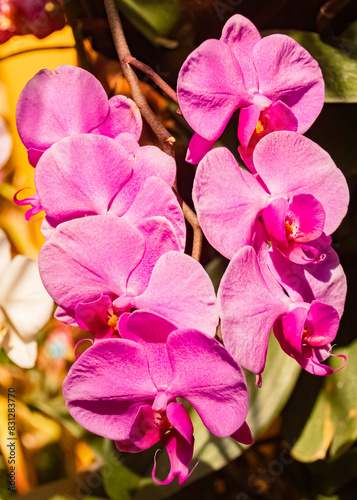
(161, 421)
(261, 126)
(50, 7)
(307, 332)
(288, 229)
(113, 322)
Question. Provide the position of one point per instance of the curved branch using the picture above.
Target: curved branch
(165, 138)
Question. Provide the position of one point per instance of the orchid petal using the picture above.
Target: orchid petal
(219, 207)
(190, 303)
(123, 116)
(55, 105)
(248, 118)
(93, 256)
(106, 387)
(22, 353)
(243, 435)
(156, 198)
(324, 281)
(241, 35)
(213, 393)
(287, 72)
(197, 149)
(24, 298)
(248, 310)
(85, 171)
(325, 322)
(274, 220)
(94, 316)
(208, 102)
(160, 238)
(278, 159)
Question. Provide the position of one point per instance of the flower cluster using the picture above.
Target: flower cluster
(114, 258)
(114, 263)
(275, 221)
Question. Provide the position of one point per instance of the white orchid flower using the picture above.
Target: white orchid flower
(25, 306)
(5, 144)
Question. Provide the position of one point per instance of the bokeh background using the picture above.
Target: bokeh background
(305, 426)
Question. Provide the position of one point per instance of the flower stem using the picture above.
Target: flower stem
(144, 68)
(165, 138)
(123, 51)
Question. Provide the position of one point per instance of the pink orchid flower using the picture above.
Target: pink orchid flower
(251, 304)
(274, 81)
(292, 195)
(98, 267)
(68, 101)
(90, 174)
(125, 389)
(30, 17)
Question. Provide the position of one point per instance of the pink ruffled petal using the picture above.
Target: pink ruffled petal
(208, 102)
(292, 164)
(190, 303)
(52, 106)
(222, 198)
(248, 310)
(106, 387)
(220, 395)
(287, 72)
(80, 175)
(156, 198)
(197, 149)
(123, 116)
(88, 257)
(241, 35)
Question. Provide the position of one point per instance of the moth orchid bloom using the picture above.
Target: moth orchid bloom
(5, 144)
(25, 306)
(274, 81)
(103, 264)
(88, 174)
(251, 304)
(125, 389)
(30, 17)
(292, 195)
(69, 101)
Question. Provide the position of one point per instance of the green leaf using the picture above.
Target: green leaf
(118, 480)
(338, 65)
(212, 453)
(332, 423)
(155, 19)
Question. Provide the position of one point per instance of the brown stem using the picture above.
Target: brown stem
(165, 138)
(160, 131)
(144, 68)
